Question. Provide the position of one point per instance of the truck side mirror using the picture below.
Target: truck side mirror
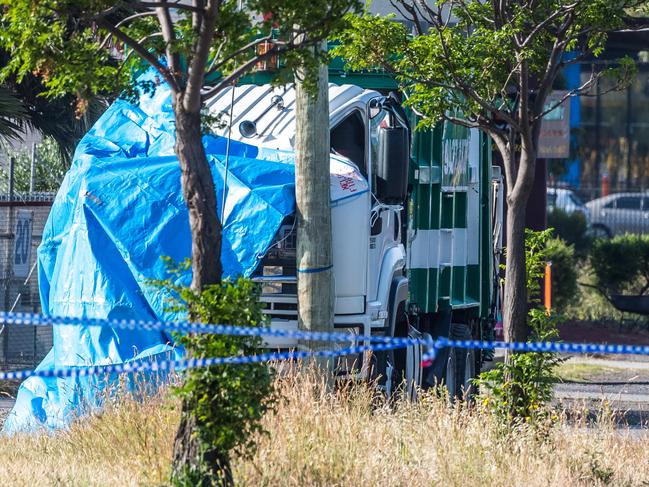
(392, 170)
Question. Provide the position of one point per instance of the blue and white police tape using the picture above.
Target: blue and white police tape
(152, 365)
(29, 319)
(558, 347)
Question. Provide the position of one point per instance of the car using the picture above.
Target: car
(619, 213)
(566, 200)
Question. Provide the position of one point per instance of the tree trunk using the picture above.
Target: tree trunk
(515, 302)
(312, 194)
(200, 196)
(194, 463)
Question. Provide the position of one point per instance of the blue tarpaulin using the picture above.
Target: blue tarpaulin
(119, 209)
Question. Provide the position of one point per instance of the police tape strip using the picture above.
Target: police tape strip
(542, 347)
(147, 365)
(432, 346)
(29, 319)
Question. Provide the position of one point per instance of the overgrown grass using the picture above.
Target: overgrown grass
(572, 371)
(350, 437)
(130, 443)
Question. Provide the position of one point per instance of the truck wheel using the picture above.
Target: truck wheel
(466, 371)
(392, 365)
(450, 374)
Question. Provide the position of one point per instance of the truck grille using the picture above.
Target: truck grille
(277, 274)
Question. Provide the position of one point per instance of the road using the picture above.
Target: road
(620, 383)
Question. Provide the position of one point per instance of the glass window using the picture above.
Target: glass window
(645, 203)
(575, 199)
(381, 120)
(628, 203)
(348, 140)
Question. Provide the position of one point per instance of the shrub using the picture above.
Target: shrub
(564, 272)
(223, 404)
(621, 264)
(519, 389)
(570, 227)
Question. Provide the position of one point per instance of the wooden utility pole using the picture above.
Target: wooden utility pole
(314, 253)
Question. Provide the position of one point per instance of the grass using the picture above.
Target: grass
(350, 437)
(574, 371)
(130, 443)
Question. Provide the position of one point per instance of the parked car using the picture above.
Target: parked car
(566, 200)
(619, 213)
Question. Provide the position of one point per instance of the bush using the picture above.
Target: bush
(223, 404)
(519, 390)
(571, 228)
(621, 264)
(564, 272)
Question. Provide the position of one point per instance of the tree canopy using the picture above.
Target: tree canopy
(87, 47)
(492, 65)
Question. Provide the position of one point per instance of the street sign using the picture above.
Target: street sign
(23, 243)
(554, 140)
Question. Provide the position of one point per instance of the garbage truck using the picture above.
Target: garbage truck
(417, 255)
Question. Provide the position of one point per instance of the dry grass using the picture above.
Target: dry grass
(319, 439)
(129, 444)
(348, 438)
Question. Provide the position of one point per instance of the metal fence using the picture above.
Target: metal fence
(22, 220)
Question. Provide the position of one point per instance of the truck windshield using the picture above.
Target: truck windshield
(348, 140)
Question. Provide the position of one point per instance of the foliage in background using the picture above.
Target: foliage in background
(564, 273)
(572, 228)
(50, 167)
(535, 262)
(519, 390)
(226, 403)
(621, 264)
(13, 115)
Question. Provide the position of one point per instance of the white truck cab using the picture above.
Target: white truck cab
(369, 256)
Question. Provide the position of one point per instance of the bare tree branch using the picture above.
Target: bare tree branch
(169, 36)
(141, 51)
(177, 5)
(197, 18)
(192, 96)
(215, 67)
(240, 71)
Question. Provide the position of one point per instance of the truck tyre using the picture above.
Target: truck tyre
(399, 355)
(390, 365)
(466, 371)
(450, 374)
(465, 362)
